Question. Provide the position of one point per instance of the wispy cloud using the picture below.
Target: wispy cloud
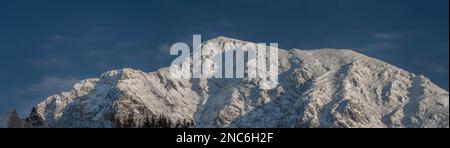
(382, 41)
(381, 46)
(53, 41)
(51, 85)
(90, 39)
(126, 44)
(431, 67)
(48, 62)
(58, 38)
(228, 24)
(387, 36)
(164, 48)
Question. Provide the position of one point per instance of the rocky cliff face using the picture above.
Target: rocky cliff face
(317, 88)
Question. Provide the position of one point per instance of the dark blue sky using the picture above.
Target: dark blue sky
(47, 45)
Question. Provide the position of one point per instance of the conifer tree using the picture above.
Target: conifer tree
(35, 119)
(147, 122)
(129, 122)
(153, 122)
(14, 120)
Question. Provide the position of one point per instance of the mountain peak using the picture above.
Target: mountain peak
(121, 74)
(223, 39)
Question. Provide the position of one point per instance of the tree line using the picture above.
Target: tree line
(152, 121)
(34, 120)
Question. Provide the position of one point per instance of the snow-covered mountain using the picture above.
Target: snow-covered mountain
(317, 88)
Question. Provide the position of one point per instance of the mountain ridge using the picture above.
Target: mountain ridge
(317, 88)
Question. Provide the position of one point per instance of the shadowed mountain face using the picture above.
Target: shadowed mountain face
(317, 88)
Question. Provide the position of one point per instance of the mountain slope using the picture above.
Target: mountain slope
(317, 88)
